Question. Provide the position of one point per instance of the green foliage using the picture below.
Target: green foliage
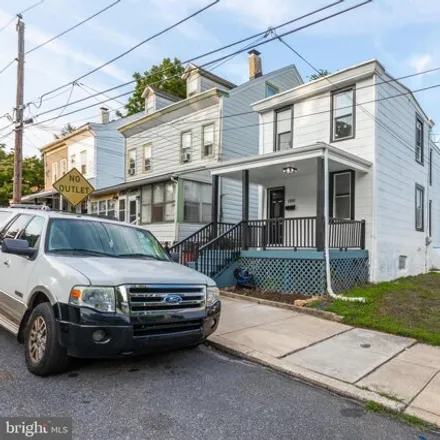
(319, 74)
(33, 175)
(68, 128)
(166, 76)
(407, 307)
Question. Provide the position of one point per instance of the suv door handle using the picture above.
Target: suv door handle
(7, 263)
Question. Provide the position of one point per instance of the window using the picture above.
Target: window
(343, 115)
(271, 89)
(4, 218)
(283, 129)
(419, 140)
(132, 162)
(343, 195)
(84, 207)
(419, 203)
(158, 203)
(430, 218)
(94, 207)
(111, 208)
(185, 142)
(83, 159)
(33, 231)
(197, 202)
(430, 166)
(402, 262)
(54, 172)
(15, 227)
(147, 157)
(63, 167)
(208, 140)
(102, 207)
(122, 210)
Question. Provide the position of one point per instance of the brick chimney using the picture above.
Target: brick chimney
(255, 70)
(105, 115)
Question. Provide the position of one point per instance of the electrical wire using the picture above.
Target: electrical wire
(19, 14)
(157, 34)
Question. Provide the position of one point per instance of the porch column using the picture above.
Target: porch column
(214, 204)
(320, 202)
(245, 208)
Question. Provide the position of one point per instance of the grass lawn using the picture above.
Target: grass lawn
(407, 307)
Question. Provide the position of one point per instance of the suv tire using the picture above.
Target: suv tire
(44, 355)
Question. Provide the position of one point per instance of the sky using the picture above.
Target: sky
(402, 34)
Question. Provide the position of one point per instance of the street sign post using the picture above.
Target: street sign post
(74, 187)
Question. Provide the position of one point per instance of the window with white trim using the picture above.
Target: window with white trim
(63, 167)
(343, 114)
(83, 159)
(147, 157)
(271, 89)
(158, 202)
(122, 208)
(283, 129)
(185, 146)
(196, 202)
(54, 172)
(208, 140)
(131, 169)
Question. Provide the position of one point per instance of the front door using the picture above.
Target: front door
(276, 215)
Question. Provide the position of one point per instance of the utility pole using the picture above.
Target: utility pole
(18, 152)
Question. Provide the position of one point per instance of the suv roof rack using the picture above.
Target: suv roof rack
(25, 206)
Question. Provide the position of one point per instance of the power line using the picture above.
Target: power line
(212, 51)
(73, 27)
(19, 14)
(215, 51)
(157, 34)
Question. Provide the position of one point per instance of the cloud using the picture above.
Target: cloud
(420, 62)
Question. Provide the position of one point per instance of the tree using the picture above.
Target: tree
(68, 128)
(166, 76)
(319, 74)
(32, 178)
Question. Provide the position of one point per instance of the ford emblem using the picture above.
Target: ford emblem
(172, 299)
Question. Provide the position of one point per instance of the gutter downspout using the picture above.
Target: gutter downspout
(326, 240)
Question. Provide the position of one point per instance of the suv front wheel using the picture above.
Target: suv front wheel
(44, 354)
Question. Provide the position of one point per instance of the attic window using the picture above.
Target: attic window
(402, 262)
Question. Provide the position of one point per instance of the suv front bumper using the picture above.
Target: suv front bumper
(126, 336)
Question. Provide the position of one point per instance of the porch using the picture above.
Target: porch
(311, 201)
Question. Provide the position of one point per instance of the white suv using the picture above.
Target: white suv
(83, 286)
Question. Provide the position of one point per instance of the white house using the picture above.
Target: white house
(167, 186)
(350, 187)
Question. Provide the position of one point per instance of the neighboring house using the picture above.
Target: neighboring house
(345, 163)
(94, 149)
(167, 186)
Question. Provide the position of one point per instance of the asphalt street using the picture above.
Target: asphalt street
(188, 394)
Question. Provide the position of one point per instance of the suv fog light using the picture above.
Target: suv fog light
(99, 335)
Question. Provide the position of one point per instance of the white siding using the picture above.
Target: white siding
(397, 173)
(162, 102)
(165, 140)
(186, 229)
(231, 201)
(77, 144)
(207, 84)
(240, 133)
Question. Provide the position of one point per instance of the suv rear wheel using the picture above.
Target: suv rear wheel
(44, 354)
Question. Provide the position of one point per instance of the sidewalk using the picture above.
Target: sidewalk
(394, 371)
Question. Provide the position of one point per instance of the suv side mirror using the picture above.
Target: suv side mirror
(17, 247)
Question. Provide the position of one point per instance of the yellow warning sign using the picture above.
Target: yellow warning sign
(74, 187)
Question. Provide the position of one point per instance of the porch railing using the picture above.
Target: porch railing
(188, 248)
(300, 232)
(345, 234)
(221, 252)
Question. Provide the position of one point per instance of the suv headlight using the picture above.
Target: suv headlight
(98, 298)
(212, 295)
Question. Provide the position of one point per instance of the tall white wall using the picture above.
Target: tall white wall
(77, 144)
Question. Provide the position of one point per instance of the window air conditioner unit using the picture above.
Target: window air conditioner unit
(131, 171)
(186, 157)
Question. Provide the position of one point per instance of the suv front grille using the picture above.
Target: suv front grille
(155, 298)
(166, 329)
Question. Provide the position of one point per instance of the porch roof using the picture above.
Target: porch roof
(267, 163)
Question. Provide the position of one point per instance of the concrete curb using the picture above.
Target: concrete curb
(333, 385)
(330, 316)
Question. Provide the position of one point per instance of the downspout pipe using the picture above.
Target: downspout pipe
(326, 239)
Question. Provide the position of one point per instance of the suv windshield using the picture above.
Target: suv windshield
(94, 238)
